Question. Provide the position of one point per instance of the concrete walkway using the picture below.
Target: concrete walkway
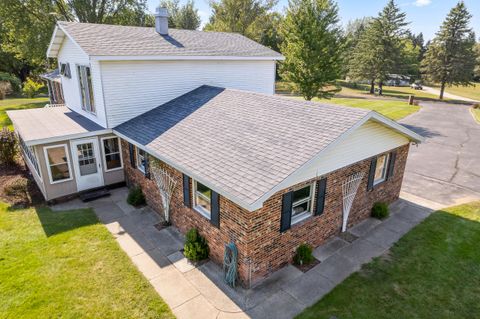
(199, 292)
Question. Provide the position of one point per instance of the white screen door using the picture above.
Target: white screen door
(87, 163)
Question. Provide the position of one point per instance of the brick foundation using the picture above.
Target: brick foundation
(262, 247)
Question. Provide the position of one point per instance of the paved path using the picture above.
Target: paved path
(199, 292)
(445, 168)
(447, 95)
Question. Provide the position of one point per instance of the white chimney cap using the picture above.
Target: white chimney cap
(161, 12)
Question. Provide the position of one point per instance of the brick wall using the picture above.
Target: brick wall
(262, 247)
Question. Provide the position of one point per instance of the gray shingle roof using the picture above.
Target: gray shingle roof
(115, 40)
(242, 142)
(51, 122)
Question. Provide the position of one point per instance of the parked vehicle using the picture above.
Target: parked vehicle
(416, 86)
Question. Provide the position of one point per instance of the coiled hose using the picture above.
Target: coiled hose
(230, 264)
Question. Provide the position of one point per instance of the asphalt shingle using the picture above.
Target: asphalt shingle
(242, 142)
(115, 40)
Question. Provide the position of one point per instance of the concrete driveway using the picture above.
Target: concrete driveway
(446, 167)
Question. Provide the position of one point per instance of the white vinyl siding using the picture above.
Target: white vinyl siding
(72, 54)
(135, 87)
(368, 140)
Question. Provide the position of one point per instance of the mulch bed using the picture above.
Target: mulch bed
(17, 186)
(305, 268)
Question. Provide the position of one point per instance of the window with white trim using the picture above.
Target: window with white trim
(381, 169)
(86, 88)
(140, 159)
(65, 70)
(202, 198)
(302, 205)
(112, 153)
(58, 164)
(30, 153)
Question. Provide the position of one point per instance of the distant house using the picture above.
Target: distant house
(398, 80)
(266, 172)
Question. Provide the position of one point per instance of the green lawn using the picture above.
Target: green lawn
(471, 92)
(18, 104)
(67, 265)
(392, 109)
(432, 272)
(476, 114)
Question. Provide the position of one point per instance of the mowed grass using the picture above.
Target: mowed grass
(471, 92)
(67, 265)
(392, 109)
(18, 104)
(432, 272)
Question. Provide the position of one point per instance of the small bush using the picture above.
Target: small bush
(476, 105)
(31, 88)
(136, 197)
(380, 210)
(17, 188)
(303, 255)
(5, 89)
(196, 247)
(15, 82)
(8, 147)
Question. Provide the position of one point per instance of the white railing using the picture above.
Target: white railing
(54, 105)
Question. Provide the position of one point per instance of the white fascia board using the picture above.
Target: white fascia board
(58, 28)
(191, 174)
(372, 115)
(55, 35)
(66, 137)
(179, 57)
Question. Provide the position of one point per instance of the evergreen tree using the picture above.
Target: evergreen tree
(312, 47)
(450, 57)
(379, 49)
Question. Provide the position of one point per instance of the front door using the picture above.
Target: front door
(86, 159)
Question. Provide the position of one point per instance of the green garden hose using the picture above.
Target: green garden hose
(230, 264)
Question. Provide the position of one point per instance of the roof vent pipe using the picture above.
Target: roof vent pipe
(161, 21)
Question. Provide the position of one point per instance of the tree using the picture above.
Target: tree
(312, 47)
(241, 16)
(268, 33)
(184, 17)
(450, 58)
(353, 32)
(379, 49)
(477, 65)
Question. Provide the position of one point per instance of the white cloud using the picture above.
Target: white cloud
(422, 3)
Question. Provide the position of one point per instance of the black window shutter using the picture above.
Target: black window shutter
(286, 218)
(371, 174)
(391, 164)
(131, 149)
(147, 165)
(186, 191)
(321, 191)
(215, 209)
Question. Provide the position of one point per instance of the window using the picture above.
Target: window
(140, 159)
(112, 153)
(65, 70)
(202, 198)
(381, 169)
(302, 203)
(58, 163)
(86, 88)
(30, 153)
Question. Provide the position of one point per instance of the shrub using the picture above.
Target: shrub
(476, 105)
(32, 88)
(8, 147)
(5, 89)
(303, 255)
(15, 82)
(380, 210)
(135, 196)
(17, 188)
(196, 247)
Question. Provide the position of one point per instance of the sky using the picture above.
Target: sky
(424, 15)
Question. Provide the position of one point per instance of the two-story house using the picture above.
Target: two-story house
(266, 172)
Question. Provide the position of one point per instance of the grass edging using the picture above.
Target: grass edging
(475, 114)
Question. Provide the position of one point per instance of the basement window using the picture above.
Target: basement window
(302, 203)
(381, 169)
(202, 199)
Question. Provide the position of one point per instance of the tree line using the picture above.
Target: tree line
(317, 50)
